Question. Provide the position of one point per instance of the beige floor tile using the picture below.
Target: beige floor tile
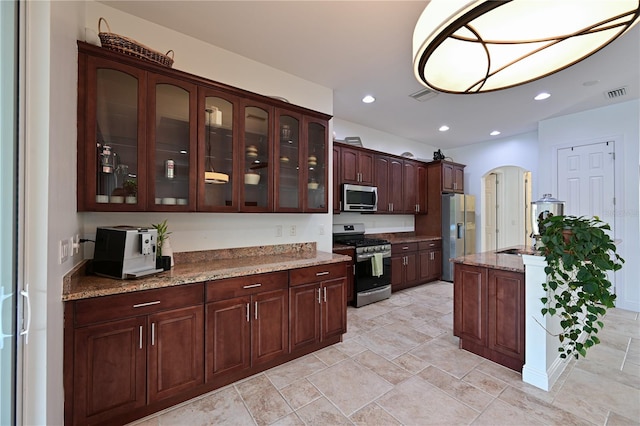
(615, 419)
(445, 355)
(433, 329)
(514, 379)
(289, 420)
(300, 393)
(350, 347)
(151, 421)
(372, 415)
(349, 386)
(265, 403)
(489, 384)
(499, 413)
(545, 412)
(460, 390)
(411, 363)
(297, 369)
(389, 371)
(609, 363)
(330, 355)
(321, 412)
(225, 407)
(628, 327)
(392, 340)
(621, 313)
(416, 402)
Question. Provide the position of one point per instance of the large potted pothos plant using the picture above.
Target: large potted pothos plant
(579, 254)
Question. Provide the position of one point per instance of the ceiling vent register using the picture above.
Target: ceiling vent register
(616, 93)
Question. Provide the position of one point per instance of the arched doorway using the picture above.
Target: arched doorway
(506, 195)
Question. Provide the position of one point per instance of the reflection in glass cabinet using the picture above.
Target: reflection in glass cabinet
(218, 153)
(117, 137)
(256, 158)
(288, 194)
(316, 166)
(172, 145)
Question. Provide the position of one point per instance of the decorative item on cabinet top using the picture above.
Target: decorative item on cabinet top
(131, 47)
(214, 117)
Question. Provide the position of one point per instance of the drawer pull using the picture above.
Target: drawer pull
(252, 285)
(255, 307)
(247, 312)
(140, 331)
(153, 334)
(405, 248)
(141, 305)
(319, 274)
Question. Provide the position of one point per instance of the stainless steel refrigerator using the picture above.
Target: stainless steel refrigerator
(458, 229)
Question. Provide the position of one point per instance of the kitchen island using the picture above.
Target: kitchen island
(489, 305)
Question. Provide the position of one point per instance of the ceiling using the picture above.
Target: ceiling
(364, 47)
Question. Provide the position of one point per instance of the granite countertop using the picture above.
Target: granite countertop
(193, 267)
(404, 237)
(494, 260)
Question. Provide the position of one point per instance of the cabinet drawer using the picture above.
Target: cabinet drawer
(243, 286)
(428, 245)
(317, 273)
(145, 302)
(403, 248)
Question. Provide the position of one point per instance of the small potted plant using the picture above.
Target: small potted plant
(579, 254)
(162, 261)
(131, 191)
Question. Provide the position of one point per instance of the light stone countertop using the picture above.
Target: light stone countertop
(194, 267)
(493, 260)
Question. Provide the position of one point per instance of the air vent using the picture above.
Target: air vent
(424, 95)
(616, 93)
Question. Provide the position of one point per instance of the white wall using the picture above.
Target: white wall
(520, 151)
(621, 123)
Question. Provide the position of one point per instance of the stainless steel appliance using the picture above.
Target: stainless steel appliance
(458, 229)
(125, 252)
(359, 198)
(372, 279)
(540, 210)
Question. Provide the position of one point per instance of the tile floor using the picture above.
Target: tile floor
(399, 364)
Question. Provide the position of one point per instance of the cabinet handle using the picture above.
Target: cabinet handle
(255, 308)
(319, 274)
(354, 269)
(153, 334)
(325, 294)
(252, 285)
(141, 305)
(319, 301)
(247, 312)
(140, 333)
(405, 248)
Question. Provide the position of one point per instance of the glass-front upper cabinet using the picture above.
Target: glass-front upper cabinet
(172, 144)
(288, 196)
(257, 189)
(216, 151)
(112, 156)
(316, 165)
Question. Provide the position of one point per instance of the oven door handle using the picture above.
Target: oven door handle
(364, 256)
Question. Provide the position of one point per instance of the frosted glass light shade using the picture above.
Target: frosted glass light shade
(462, 46)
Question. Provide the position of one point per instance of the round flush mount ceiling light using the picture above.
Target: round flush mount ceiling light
(542, 96)
(463, 46)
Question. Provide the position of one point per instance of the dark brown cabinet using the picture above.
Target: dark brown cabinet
(151, 138)
(357, 166)
(246, 323)
(452, 177)
(410, 187)
(337, 167)
(430, 260)
(488, 313)
(317, 305)
(135, 349)
(404, 266)
(388, 180)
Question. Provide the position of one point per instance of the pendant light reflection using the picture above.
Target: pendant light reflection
(211, 176)
(462, 46)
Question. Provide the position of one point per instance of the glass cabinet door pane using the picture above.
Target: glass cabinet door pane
(218, 153)
(172, 146)
(256, 158)
(288, 163)
(316, 166)
(117, 137)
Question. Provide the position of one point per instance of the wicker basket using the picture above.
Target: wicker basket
(131, 47)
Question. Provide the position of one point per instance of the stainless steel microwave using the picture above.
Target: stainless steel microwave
(359, 198)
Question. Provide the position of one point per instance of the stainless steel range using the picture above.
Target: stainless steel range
(372, 279)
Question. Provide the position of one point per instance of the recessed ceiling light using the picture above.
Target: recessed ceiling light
(494, 133)
(590, 83)
(444, 128)
(368, 99)
(542, 96)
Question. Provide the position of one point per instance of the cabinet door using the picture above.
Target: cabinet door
(506, 313)
(256, 192)
(409, 187)
(304, 308)
(349, 163)
(421, 187)
(430, 265)
(109, 369)
(336, 179)
(458, 179)
(397, 272)
(365, 166)
(219, 174)
(112, 158)
(172, 141)
(316, 167)
(270, 325)
(412, 267)
(176, 352)
(469, 303)
(288, 158)
(228, 336)
(381, 181)
(334, 308)
(447, 177)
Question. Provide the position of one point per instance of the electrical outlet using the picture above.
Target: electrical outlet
(75, 245)
(321, 230)
(278, 230)
(292, 230)
(64, 251)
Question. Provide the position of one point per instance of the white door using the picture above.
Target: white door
(490, 231)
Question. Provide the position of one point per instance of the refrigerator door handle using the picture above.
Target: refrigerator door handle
(459, 230)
